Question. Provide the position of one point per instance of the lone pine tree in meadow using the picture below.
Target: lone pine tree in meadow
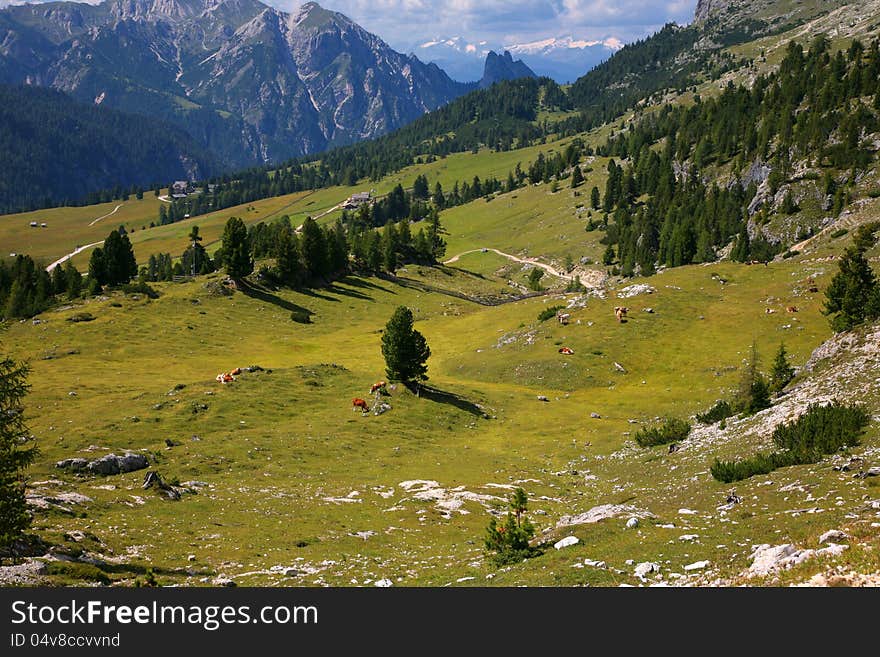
(405, 350)
(509, 540)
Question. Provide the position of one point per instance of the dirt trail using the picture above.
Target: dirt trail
(70, 255)
(589, 277)
(109, 214)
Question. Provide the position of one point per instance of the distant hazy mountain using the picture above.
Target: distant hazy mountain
(251, 83)
(564, 59)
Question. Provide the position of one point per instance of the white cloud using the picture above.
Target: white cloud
(405, 23)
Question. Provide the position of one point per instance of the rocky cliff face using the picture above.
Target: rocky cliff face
(707, 9)
(252, 83)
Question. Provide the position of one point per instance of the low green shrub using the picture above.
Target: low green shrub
(76, 570)
(720, 411)
(549, 313)
(141, 287)
(672, 430)
(821, 430)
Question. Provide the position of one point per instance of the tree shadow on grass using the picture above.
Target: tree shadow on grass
(250, 290)
(354, 281)
(344, 291)
(443, 397)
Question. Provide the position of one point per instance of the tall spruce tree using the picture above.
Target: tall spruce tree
(236, 249)
(852, 296)
(15, 453)
(405, 350)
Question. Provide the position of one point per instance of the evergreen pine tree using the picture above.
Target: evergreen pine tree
(389, 248)
(608, 256)
(851, 298)
(59, 280)
(759, 395)
(15, 455)
(595, 202)
(577, 178)
(17, 303)
(313, 249)
(236, 250)
(287, 259)
(742, 248)
(374, 251)
(782, 372)
(97, 266)
(74, 281)
(405, 350)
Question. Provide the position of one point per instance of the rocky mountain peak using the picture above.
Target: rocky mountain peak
(313, 16)
(503, 67)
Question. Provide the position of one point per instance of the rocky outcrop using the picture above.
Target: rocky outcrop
(111, 464)
(603, 512)
(503, 67)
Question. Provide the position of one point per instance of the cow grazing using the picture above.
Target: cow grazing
(791, 309)
(563, 318)
(361, 404)
(620, 312)
(769, 311)
(376, 387)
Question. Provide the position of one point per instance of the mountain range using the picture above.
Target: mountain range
(250, 83)
(563, 59)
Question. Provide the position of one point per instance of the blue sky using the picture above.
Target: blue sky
(404, 23)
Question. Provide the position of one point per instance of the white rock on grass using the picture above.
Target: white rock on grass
(646, 568)
(833, 536)
(603, 512)
(594, 564)
(687, 512)
(632, 523)
(635, 290)
(697, 565)
(384, 583)
(568, 541)
(767, 559)
(688, 537)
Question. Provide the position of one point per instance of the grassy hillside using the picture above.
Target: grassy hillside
(283, 449)
(286, 485)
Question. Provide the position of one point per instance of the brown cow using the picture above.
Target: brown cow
(620, 312)
(358, 403)
(377, 386)
(791, 309)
